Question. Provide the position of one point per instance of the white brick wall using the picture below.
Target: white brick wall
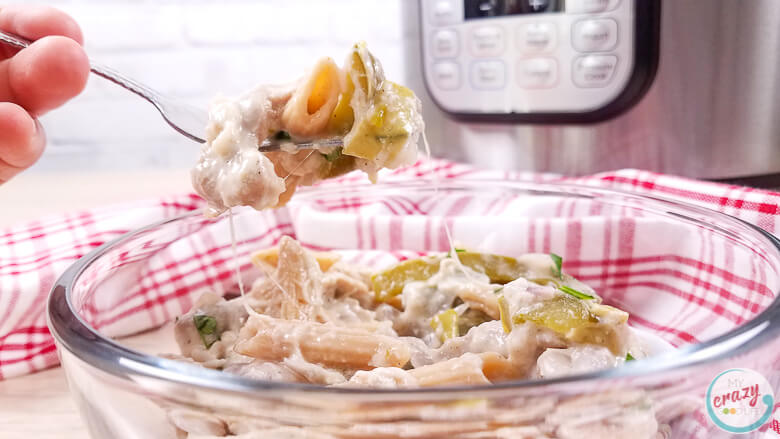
(194, 49)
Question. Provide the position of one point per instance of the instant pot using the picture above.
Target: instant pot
(581, 86)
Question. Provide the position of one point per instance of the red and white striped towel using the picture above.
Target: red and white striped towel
(33, 255)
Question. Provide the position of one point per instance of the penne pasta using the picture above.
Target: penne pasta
(197, 422)
(498, 368)
(482, 300)
(309, 110)
(272, 339)
(468, 369)
(522, 432)
(372, 327)
(409, 430)
(269, 258)
(463, 370)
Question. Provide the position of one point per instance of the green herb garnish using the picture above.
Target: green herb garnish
(207, 328)
(282, 135)
(503, 309)
(457, 250)
(630, 357)
(558, 263)
(333, 155)
(572, 292)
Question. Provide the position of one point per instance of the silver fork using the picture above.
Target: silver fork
(184, 118)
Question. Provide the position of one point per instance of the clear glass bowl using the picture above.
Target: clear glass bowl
(703, 281)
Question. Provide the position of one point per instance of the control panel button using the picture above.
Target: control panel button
(536, 37)
(594, 35)
(594, 70)
(444, 44)
(590, 6)
(535, 5)
(444, 12)
(488, 75)
(537, 72)
(477, 9)
(487, 41)
(446, 75)
(484, 8)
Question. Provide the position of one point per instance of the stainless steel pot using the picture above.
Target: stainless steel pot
(708, 108)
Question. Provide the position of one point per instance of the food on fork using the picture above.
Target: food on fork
(379, 121)
(461, 318)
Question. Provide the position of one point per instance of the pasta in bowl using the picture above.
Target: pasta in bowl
(145, 280)
(461, 318)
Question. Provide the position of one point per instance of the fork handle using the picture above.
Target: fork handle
(14, 40)
(112, 75)
(102, 71)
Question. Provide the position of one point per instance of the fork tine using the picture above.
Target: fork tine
(275, 145)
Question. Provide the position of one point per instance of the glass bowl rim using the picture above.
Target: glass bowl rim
(74, 334)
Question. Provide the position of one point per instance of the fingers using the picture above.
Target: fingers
(35, 22)
(50, 71)
(45, 75)
(21, 140)
(53, 69)
(34, 80)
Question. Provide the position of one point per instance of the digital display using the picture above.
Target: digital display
(500, 8)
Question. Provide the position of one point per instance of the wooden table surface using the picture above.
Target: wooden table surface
(38, 406)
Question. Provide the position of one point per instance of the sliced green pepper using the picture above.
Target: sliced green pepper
(446, 324)
(571, 318)
(390, 282)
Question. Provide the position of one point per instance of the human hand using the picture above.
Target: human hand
(52, 70)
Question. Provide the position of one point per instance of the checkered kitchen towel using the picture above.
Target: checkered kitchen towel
(33, 255)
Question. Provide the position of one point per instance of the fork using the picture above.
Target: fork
(185, 119)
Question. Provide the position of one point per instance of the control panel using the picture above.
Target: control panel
(519, 58)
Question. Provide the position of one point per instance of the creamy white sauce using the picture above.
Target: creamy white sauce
(554, 363)
(231, 171)
(382, 378)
